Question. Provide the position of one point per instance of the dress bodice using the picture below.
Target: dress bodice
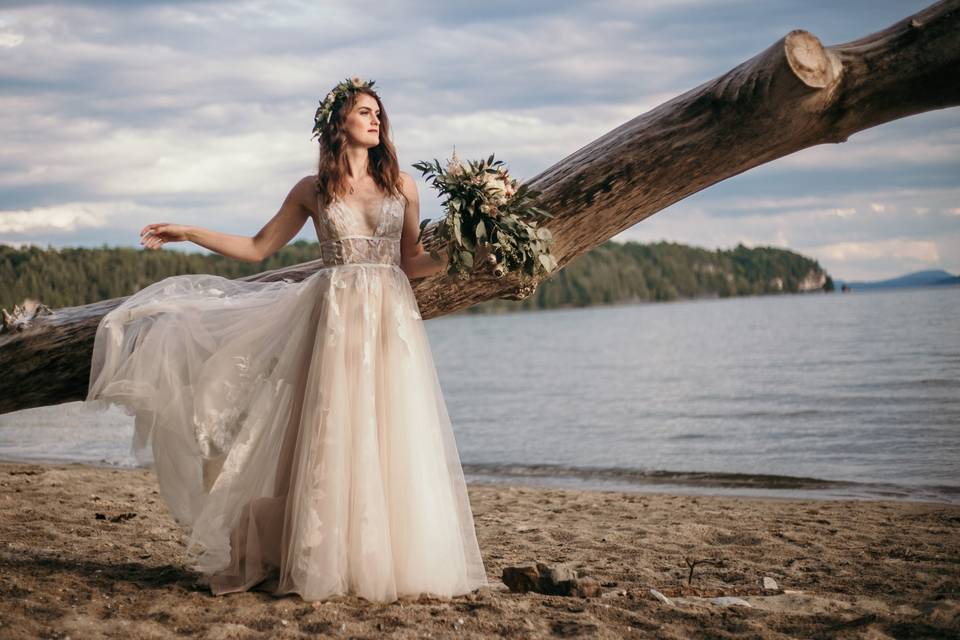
(346, 237)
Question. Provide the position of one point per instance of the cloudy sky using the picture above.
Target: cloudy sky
(114, 114)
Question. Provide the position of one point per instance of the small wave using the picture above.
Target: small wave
(901, 385)
(640, 476)
(709, 482)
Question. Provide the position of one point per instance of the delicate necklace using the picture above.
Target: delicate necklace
(351, 187)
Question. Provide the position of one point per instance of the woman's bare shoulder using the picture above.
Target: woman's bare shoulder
(306, 190)
(408, 186)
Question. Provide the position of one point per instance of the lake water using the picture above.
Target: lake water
(817, 395)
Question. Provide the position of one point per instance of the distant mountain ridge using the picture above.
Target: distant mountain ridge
(928, 278)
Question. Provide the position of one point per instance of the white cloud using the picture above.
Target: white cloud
(881, 259)
(63, 217)
(833, 204)
(931, 138)
(924, 251)
(9, 40)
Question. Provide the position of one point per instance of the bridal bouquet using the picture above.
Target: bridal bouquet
(490, 221)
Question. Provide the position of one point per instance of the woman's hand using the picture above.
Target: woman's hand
(154, 236)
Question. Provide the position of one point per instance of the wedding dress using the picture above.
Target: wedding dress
(298, 428)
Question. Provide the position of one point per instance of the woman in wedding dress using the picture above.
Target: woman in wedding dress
(298, 428)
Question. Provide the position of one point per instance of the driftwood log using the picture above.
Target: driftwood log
(793, 95)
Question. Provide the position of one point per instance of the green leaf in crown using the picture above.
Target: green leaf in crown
(491, 222)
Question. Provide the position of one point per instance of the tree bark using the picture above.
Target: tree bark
(793, 95)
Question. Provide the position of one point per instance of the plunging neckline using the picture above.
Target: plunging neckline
(380, 215)
(348, 206)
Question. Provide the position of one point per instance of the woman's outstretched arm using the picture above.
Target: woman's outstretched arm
(293, 213)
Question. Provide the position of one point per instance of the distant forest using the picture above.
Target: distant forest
(611, 273)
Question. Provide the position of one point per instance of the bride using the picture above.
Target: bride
(298, 429)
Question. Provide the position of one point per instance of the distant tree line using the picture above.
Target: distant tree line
(631, 272)
(611, 273)
(75, 276)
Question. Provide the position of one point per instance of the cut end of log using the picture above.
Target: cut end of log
(815, 66)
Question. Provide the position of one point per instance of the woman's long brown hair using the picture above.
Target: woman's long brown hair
(333, 169)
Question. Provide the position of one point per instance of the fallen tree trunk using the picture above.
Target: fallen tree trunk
(795, 94)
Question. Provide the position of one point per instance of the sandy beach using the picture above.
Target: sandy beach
(90, 552)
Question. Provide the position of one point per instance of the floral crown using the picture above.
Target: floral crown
(336, 96)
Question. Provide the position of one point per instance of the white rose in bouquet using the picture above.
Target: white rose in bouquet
(498, 185)
(490, 209)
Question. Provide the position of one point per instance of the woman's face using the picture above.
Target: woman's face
(363, 122)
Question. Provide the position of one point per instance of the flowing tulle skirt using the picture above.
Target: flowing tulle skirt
(298, 428)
